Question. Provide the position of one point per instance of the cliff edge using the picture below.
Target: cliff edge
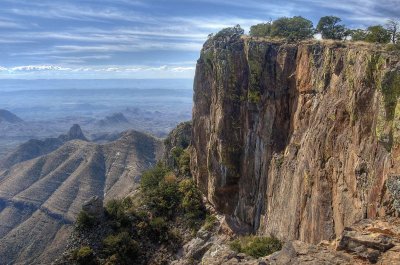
(297, 140)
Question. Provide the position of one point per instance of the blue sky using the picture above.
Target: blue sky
(143, 38)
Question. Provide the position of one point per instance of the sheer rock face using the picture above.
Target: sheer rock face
(297, 141)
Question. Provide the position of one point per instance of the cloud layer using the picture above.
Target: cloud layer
(136, 38)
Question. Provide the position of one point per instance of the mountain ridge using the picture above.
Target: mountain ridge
(41, 197)
(34, 147)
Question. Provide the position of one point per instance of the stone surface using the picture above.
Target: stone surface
(372, 240)
(94, 206)
(296, 140)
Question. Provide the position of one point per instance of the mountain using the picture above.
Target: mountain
(299, 140)
(113, 120)
(35, 148)
(6, 116)
(40, 198)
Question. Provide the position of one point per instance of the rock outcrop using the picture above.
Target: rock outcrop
(297, 140)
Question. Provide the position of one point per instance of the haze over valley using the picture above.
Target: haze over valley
(48, 108)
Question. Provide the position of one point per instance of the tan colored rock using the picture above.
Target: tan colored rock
(298, 141)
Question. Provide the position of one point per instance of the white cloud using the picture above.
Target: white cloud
(132, 71)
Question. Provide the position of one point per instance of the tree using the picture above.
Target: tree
(393, 27)
(330, 28)
(358, 35)
(293, 29)
(235, 31)
(261, 30)
(378, 34)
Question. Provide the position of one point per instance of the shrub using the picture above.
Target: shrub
(256, 246)
(85, 220)
(160, 190)
(211, 220)
(151, 178)
(176, 154)
(184, 163)
(116, 211)
(159, 229)
(192, 201)
(235, 31)
(84, 256)
(122, 247)
(261, 30)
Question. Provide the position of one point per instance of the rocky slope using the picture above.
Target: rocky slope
(297, 140)
(40, 198)
(35, 148)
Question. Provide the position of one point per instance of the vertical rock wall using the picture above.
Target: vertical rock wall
(296, 140)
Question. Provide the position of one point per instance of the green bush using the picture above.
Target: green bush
(116, 211)
(184, 163)
(159, 229)
(211, 220)
(121, 247)
(192, 201)
(151, 178)
(160, 190)
(261, 30)
(84, 256)
(85, 220)
(256, 246)
(293, 29)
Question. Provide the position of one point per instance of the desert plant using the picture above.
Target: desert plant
(122, 247)
(84, 220)
(256, 246)
(84, 256)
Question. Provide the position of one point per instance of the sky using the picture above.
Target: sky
(75, 39)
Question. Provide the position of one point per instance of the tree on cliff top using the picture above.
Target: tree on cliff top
(330, 28)
(292, 29)
(235, 31)
(378, 34)
(261, 30)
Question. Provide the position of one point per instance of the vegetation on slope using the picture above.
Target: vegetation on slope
(147, 227)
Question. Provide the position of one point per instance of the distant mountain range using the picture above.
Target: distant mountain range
(34, 148)
(43, 185)
(7, 116)
(113, 120)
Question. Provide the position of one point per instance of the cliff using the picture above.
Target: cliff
(297, 140)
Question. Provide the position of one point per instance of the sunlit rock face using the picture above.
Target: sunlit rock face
(297, 140)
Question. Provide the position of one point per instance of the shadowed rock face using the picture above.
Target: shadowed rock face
(40, 198)
(300, 140)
